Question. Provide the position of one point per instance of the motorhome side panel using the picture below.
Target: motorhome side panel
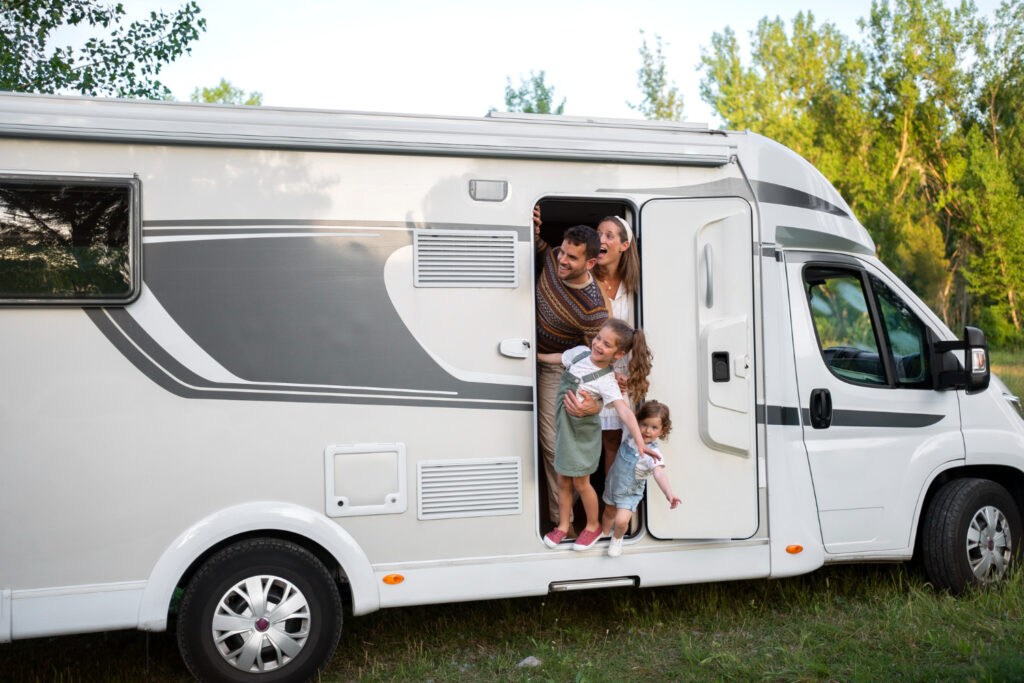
(280, 334)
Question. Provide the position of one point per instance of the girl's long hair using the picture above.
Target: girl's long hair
(629, 262)
(634, 340)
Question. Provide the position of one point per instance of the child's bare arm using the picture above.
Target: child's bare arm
(630, 423)
(550, 358)
(659, 476)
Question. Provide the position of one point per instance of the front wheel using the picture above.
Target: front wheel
(972, 534)
(263, 609)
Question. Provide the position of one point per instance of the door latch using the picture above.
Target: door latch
(821, 408)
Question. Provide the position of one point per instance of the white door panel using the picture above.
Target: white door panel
(887, 432)
(698, 301)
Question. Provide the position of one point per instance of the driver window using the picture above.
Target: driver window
(846, 335)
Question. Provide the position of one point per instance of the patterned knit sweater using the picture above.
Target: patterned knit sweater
(566, 317)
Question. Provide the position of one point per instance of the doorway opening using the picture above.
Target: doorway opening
(558, 214)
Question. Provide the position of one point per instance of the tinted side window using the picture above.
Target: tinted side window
(906, 337)
(846, 335)
(67, 241)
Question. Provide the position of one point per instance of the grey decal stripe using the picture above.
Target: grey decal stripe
(877, 418)
(162, 378)
(789, 416)
(771, 193)
(161, 358)
(778, 415)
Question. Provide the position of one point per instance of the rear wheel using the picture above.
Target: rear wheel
(972, 534)
(262, 609)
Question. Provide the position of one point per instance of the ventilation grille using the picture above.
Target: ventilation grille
(470, 488)
(465, 259)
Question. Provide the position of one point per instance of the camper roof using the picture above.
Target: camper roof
(510, 136)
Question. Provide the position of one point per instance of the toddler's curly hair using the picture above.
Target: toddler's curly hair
(656, 409)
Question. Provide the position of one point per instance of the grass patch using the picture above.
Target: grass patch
(841, 623)
(1009, 365)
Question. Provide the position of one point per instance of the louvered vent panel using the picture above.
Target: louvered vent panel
(470, 488)
(465, 259)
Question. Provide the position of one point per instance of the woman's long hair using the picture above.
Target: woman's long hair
(635, 341)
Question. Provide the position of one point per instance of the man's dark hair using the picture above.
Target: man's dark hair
(585, 235)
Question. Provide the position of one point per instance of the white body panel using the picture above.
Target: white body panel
(280, 330)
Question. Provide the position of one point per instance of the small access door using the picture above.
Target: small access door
(698, 315)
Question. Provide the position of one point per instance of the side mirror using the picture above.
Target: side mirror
(978, 374)
(950, 372)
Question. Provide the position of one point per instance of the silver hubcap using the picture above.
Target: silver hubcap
(989, 546)
(261, 623)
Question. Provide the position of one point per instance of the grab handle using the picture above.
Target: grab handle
(709, 291)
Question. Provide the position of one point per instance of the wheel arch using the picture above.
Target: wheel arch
(1009, 478)
(328, 541)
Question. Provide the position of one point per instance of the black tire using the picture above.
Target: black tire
(971, 535)
(283, 574)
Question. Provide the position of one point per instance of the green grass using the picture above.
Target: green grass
(1009, 365)
(840, 623)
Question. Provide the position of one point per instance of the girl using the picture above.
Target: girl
(618, 275)
(578, 439)
(628, 476)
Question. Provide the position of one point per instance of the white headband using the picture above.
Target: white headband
(625, 226)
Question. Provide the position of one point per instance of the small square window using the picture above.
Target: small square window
(69, 240)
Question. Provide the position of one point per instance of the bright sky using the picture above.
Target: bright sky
(453, 56)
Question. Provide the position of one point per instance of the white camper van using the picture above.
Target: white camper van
(258, 363)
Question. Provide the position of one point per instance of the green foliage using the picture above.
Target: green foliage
(662, 100)
(225, 93)
(532, 97)
(120, 59)
(916, 125)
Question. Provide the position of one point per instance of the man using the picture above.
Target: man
(570, 311)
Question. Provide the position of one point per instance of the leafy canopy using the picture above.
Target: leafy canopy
(532, 97)
(662, 100)
(918, 125)
(119, 58)
(225, 93)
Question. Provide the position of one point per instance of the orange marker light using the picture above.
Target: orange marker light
(392, 579)
(791, 549)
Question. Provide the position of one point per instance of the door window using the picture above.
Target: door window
(846, 335)
(905, 335)
(866, 332)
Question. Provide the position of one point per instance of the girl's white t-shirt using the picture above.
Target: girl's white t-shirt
(604, 387)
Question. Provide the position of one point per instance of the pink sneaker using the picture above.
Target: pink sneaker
(586, 540)
(553, 538)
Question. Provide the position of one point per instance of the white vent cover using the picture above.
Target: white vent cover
(465, 258)
(470, 488)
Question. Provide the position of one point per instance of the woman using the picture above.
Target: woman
(618, 274)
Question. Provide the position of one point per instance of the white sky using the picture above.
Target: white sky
(453, 56)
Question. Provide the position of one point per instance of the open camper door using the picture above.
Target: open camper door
(698, 316)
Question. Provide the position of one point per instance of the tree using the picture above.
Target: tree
(917, 125)
(225, 93)
(532, 97)
(662, 101)
(119, 59)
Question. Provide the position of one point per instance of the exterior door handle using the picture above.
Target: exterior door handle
(514, 348)
(821, 408)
